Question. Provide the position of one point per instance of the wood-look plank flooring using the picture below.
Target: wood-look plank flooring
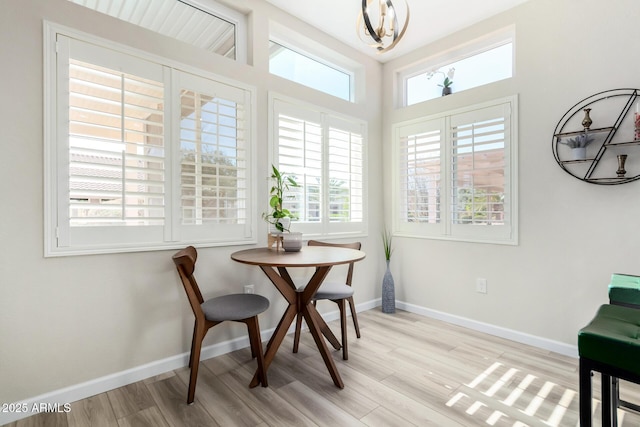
(406, 370)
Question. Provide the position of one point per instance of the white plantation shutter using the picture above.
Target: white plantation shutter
(300, 154)
(345, 171)
(326, 154)
(214, 158)
(420, 171)
(455, 175)
(478, 166)
(116, 148)
(111, 164)
(143, 156)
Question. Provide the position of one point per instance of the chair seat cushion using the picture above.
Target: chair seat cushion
(612, 337)
(334, 290)
(624, 289)
(234, 307)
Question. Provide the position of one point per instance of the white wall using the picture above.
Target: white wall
(573, 235)
(64, 321)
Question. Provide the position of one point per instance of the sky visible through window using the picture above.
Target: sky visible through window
(302, 69)
(477, 70)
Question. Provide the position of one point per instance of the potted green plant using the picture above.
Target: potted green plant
(447, 82)
(279, 217)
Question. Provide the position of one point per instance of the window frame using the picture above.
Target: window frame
(56, 144)
(445, 229)
(324, 228)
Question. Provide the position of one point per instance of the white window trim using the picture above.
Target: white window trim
(490, 41)
(443, 230)
(323, 229)
(51, 130)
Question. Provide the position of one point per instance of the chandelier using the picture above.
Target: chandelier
(387, 33)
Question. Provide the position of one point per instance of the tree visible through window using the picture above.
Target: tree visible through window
(211, 150)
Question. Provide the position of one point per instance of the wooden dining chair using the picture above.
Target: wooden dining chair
(234, 307)
(338, 292)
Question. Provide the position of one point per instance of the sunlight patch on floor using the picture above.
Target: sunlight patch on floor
(523, 405)
(530, 401)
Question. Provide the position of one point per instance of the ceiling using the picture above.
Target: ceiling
(430, 19)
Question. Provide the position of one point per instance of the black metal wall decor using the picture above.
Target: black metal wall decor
(598, 139)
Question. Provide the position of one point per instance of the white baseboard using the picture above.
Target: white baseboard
(510, 334)
(120, 379)
(139, 373)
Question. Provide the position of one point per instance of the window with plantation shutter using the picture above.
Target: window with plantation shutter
(141, 155)
(116, 148)
(326, 153)
(456, 174)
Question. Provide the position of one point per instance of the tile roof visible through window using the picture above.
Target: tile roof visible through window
(173, 18)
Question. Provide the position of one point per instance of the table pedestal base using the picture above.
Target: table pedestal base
(300, 302)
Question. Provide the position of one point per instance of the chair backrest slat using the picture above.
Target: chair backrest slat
(185, 261)
(354, 245)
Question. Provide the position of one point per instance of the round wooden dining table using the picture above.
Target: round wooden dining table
(274, 264)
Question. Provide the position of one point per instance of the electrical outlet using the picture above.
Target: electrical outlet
(249, 289)
(481, 285)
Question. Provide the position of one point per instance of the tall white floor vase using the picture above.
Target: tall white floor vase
(388, 292)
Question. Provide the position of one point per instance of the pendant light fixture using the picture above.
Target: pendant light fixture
(386, 33)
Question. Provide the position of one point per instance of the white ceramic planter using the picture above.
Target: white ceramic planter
(579, 153)
(292, 242)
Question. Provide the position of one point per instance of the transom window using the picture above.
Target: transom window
(486, 61)
(306, 70)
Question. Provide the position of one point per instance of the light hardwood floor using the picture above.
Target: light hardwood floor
(406, 370)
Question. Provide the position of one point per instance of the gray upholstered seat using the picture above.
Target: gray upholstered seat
(234, 307)
(333, 290)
